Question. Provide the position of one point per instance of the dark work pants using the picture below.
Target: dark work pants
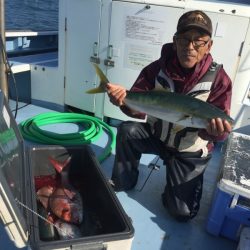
(184, 173)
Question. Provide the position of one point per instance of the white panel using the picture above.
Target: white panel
(137, 35)
(226, 50)
(234, 8)
(179, 3)
(239, 108)
(46, 85)
(227, 45)
(83, 26)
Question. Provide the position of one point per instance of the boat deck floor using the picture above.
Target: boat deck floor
(154, 228)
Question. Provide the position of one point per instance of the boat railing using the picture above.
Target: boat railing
(20, 43)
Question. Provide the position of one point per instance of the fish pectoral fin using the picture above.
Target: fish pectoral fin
(176, 128)
(184, 117)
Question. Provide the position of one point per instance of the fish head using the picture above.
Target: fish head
(67, 207)
(69, 212)
(76, 215)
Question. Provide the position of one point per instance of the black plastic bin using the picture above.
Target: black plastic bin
(105, 224)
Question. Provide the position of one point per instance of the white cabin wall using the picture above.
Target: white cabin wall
(47, 82)
(169, 3)
(235, 16)
(223, 7)
(46, 87)
(241, 90)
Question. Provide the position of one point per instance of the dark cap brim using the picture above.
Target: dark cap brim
(194, 26)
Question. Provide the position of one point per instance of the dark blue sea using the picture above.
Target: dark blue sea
(41, 14)
(34, 15)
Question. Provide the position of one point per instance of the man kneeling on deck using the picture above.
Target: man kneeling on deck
(187, 67)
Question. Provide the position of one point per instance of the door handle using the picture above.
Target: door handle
(94, 58)
(108, 61)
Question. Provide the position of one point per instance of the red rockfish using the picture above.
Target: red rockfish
(63, 200)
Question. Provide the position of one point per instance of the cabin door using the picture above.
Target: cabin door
(82, 28)
(227, 46)
(231, 48)
(137, 34)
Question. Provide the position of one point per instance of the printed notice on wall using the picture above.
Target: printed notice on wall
(137, 57)
(143, 39)
(146, 29)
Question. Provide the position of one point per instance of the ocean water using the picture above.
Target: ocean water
(31, 15)
(41, 14)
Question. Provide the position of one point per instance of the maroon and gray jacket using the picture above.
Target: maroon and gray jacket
(219, 94)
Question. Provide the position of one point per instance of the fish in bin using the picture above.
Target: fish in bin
(59, 202)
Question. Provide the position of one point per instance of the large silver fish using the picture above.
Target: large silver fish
(172, 107)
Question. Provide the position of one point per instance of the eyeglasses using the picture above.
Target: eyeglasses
(186, 41)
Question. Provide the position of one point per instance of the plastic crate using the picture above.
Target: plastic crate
(230, 210)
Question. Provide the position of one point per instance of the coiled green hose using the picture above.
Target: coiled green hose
(92, 130)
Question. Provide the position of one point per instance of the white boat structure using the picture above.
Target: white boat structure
(54, 69)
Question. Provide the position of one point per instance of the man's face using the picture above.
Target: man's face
(191, 47)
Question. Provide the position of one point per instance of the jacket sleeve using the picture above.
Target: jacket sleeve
(220, 96)
(144, 82)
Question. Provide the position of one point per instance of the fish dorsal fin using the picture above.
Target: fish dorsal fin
(59, 166)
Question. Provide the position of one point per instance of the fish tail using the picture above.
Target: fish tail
(103, 81)
(99, 89)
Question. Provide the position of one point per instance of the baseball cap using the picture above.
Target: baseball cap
(196, 19)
